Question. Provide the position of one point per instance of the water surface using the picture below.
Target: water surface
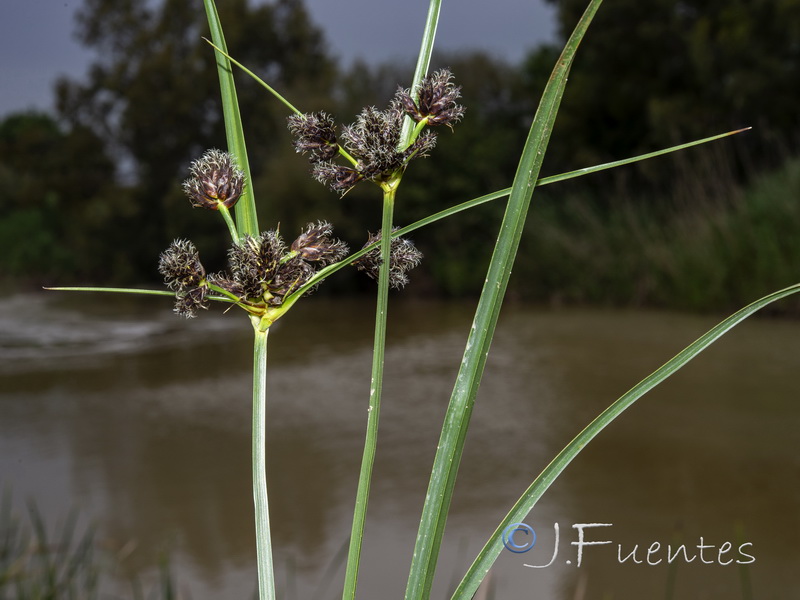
(141, 420)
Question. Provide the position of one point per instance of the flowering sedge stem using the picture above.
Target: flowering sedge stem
(266, 574)
(376, 385)
(226, 214)
(423, 62)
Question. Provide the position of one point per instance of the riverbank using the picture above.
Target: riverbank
(700, 252)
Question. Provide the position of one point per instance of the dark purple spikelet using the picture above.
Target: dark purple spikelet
(184, 275)
(314, 133)
(373, 139)
(421, 147)
(404, 256)
(315, 244)
(255, 261)
(290, 276)
(215, 180)
(263, 268)
(187, 303)
(436, 102)
(180, 266)
(338, 178)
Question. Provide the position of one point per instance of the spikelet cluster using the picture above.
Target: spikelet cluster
(372, 142)
(261, 270)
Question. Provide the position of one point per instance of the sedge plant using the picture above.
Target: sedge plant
(267, 275)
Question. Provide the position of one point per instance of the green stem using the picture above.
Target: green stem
(423, 62)
(226, 214)
(376, 385)
(224, 292)
(416, 131)
(266, 574)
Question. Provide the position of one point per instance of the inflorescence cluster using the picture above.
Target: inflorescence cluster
(404, 257)
(215, 181)
(263, 271)
(372, 144)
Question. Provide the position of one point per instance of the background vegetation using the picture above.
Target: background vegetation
(712, 227)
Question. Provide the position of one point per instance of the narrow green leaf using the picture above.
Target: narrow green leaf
(245, 210)
(423, 62)
(257, 79)
(329, 270)
(640, 157)
(132, 291)
(323, 273)
(523, 506)
(556, 178)
(459, 411)
(112, 290)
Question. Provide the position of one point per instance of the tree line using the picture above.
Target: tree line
(92, 192)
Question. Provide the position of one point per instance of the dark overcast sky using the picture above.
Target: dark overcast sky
(37, 42)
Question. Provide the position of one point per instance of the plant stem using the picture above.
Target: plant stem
(423, 62)
(226, 215)
(376, 385)
(266, 574)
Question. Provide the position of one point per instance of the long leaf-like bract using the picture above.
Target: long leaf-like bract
(423, 62)
(459, 411)
(494, 546)
(246, 218)
(329, 270)
(247, 223)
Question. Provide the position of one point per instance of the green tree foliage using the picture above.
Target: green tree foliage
(153, 96)
(654, 72)
(49, 174)
(649, 74)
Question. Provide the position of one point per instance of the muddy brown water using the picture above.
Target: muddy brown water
(140, 420)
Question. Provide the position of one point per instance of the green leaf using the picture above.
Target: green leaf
(246, 217)
(423, 62)
(331, 269)
(257, 79)
(459, 411)
(112, 290)
(523, 506)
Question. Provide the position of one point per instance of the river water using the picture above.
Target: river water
(140, 420)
